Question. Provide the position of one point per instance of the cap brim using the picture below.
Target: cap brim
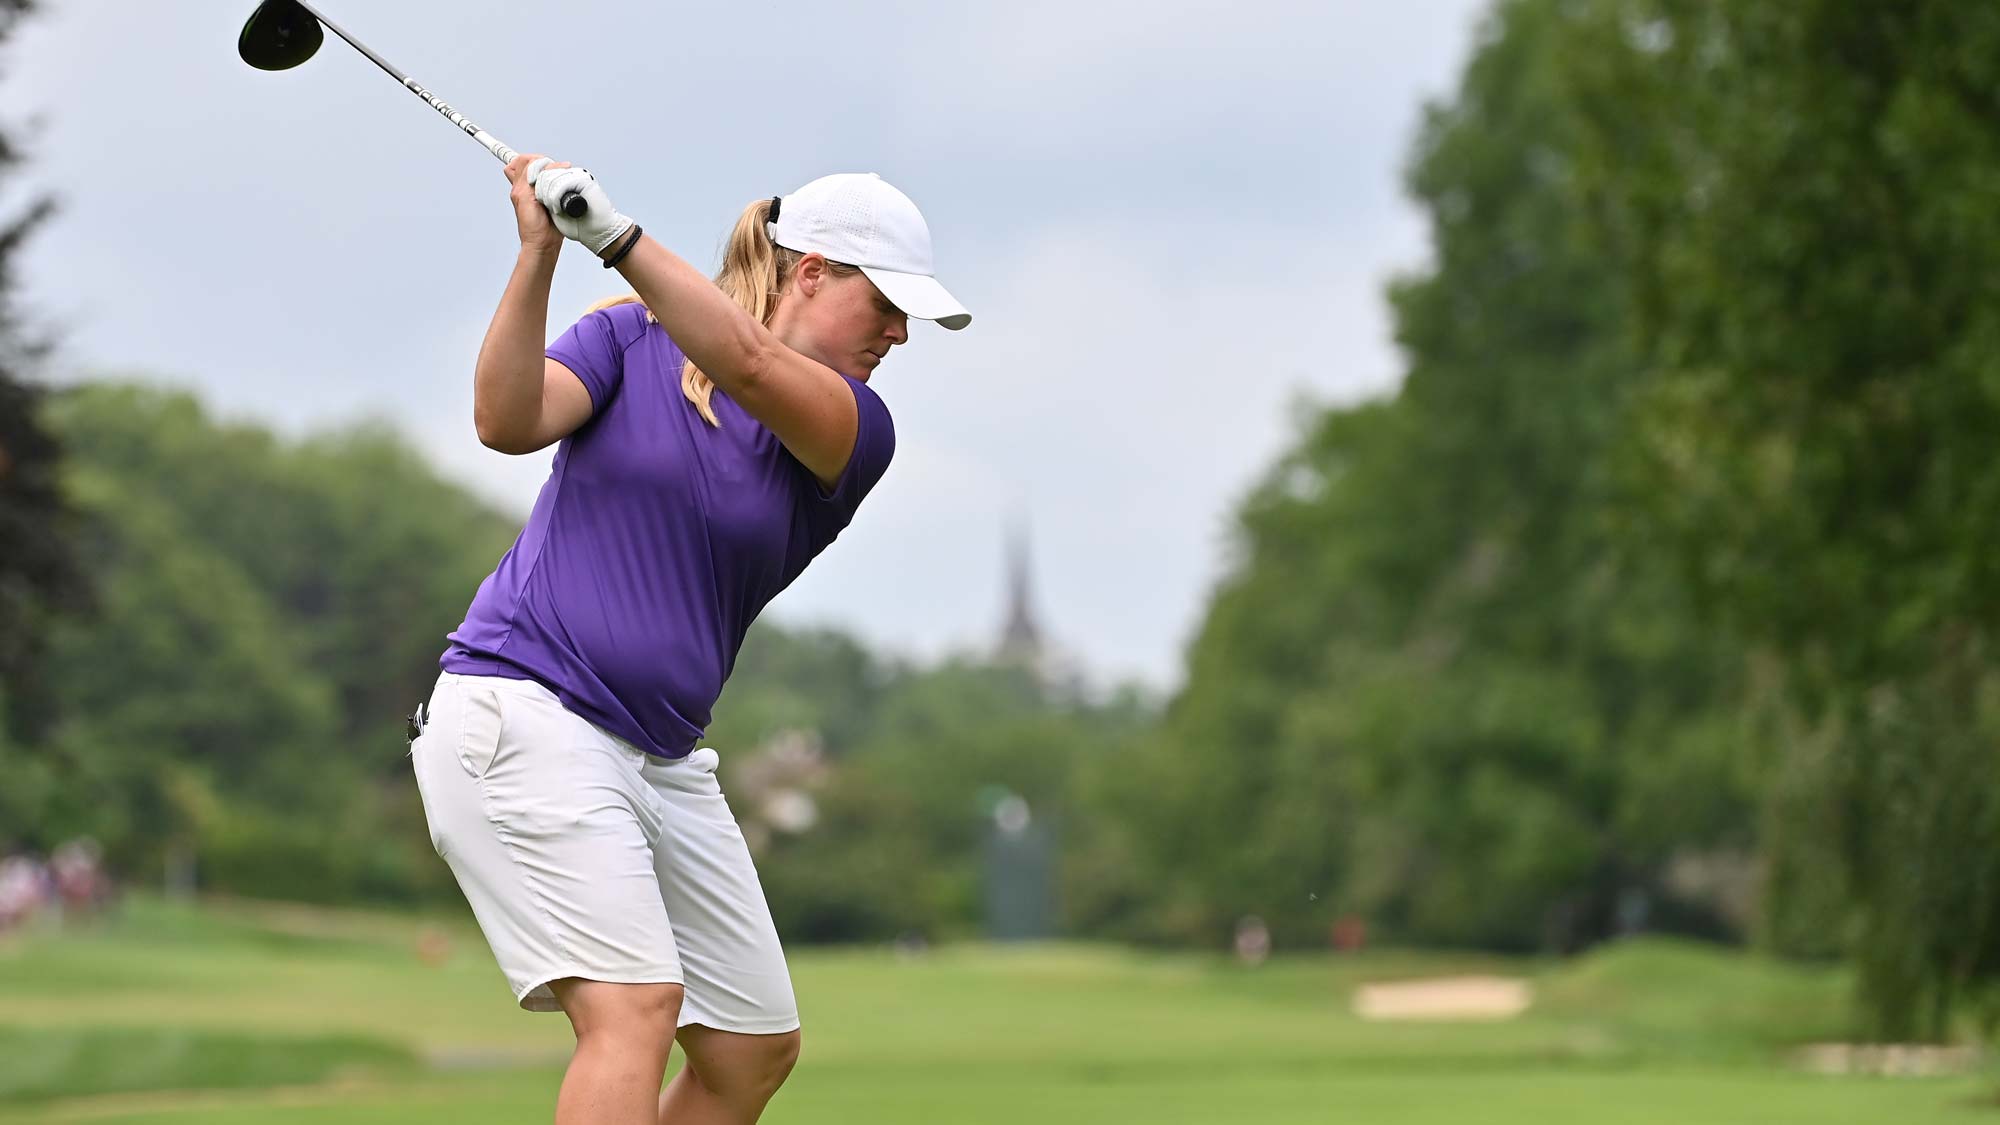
(919, 296)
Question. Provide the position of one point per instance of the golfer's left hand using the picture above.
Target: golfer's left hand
(600, 227)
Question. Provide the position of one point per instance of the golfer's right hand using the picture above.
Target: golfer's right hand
(538, 232)
(600, 225)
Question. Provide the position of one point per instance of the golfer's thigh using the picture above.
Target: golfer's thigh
(731, 959)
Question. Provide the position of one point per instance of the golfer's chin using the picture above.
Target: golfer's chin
(865, 363)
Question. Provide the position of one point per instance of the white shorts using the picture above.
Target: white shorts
(583, 856)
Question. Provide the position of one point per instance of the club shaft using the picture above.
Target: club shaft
(492, 143)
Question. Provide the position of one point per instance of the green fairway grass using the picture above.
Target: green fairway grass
(253, 1013)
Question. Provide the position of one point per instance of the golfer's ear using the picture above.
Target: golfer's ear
(810, 274)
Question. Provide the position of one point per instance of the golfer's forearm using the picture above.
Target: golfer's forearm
(710, 328)
(507, 380)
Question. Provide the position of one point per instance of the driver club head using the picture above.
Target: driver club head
(279, 35)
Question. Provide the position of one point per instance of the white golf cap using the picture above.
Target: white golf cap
(857, 218)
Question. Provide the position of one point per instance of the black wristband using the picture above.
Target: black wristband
(630, 242)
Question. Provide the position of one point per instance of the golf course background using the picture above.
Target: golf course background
(1640, 645)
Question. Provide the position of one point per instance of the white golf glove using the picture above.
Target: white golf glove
(600, 227)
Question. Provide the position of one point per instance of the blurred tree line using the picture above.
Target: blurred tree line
(1660, 596)
(1676, 549)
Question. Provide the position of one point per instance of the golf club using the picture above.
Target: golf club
(281, 34)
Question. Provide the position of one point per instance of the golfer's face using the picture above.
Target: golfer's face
(864, 324)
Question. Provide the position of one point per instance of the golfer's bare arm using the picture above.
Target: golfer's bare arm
(805, 403)
(522, 400)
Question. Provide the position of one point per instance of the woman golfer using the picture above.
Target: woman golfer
(714, 437)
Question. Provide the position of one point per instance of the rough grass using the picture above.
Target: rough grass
(42, 1064)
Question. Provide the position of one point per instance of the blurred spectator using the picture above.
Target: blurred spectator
(1253, 940)
(25, 886)
(76, 870)
(1634, 907)
(71, 885)
(1350, 933)
(433, 946)
(774, 785)
(910, 945)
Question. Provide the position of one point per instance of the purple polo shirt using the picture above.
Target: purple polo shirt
(655, 542)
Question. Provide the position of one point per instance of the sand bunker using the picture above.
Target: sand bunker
(1444, 998)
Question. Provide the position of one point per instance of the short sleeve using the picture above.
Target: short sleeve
(594, 348)
(830, 510)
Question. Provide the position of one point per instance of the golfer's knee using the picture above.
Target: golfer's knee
(753, 1070)
(635, 1015)
(784, 1055)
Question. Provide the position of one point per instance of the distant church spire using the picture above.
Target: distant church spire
(1021, 636)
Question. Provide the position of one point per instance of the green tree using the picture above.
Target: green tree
(1447, 684)
(1802, 197)
(39, 577)
(269, 610)
(800, 679)
(349, 533)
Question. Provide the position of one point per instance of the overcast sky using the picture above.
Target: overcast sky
(1170, 221)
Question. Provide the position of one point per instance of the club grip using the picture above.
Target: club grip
(574, 204)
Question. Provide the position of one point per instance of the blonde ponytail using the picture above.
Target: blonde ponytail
(750, 275)
(754, 271)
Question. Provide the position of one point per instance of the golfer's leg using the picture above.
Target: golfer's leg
(739, 1019)
(623, 1034)
(729, 1077)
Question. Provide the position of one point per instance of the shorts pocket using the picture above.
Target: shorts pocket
(421, 763)
(425, 759)
(479, 726)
